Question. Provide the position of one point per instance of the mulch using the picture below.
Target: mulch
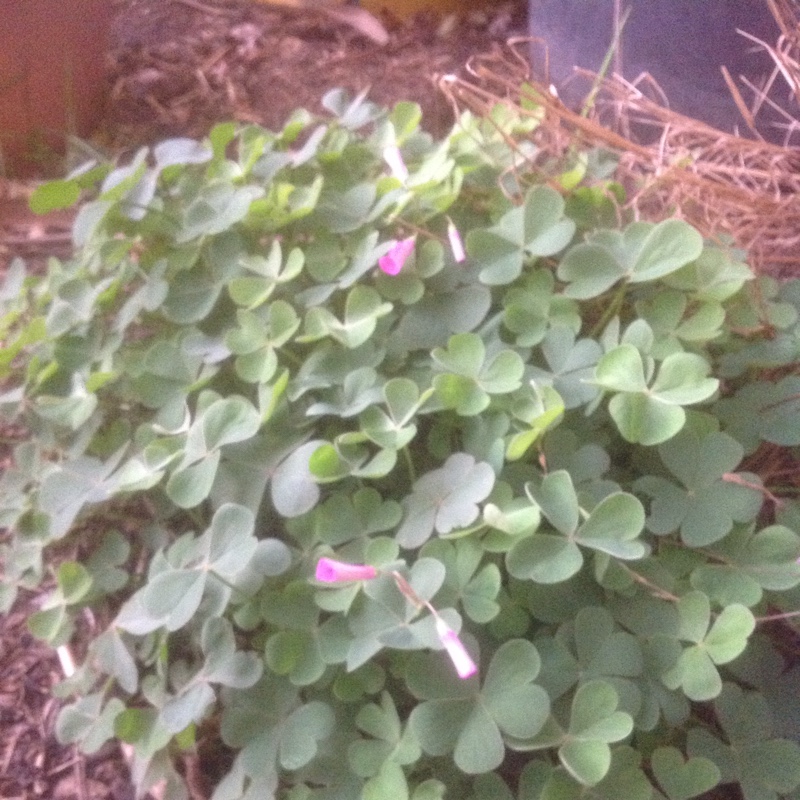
(177, 67)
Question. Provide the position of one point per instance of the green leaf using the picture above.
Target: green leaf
(228, 420)
(536, 229)
(669, 246)
(51, 625)
(223, 663)
(622, 370)
(114, 657)
(556, 497)
(470, 378)
(590, 270)
(594, 722)
(595, 716)
(470, 726)
(173, 597)
(74, 581)
(587, 761)
(389, 782)
(445, 499)
(729, 634)
(189, 486)
(681, 779)
(231, 543)
(363, 309)
(571, 365)
(654, 414)
(293, 488)
(544, 558)
(54, 195)
(88, 721)
(712, 498)
(613, 525)
(643, 252)
(764, 766)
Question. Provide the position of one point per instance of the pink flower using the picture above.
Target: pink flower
(330, 571)
(465, 666)
(456, 245)
(393, 157)
(393, 261)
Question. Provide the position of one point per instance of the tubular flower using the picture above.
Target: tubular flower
(465, 666)
(456, 244)
(393, 157)
(330, 571)
(393, 261)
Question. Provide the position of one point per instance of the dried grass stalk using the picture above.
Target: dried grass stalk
(744, 191)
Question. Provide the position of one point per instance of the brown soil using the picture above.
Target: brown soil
(176, 68)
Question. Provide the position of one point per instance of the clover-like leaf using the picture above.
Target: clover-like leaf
(643, 252)
(114, 657)
(172, 598)
(225, 664)
(363, 308)
(455, 717)
(594, 723)
(359, 390)
(470, 378)
(272, 730)
(673, 321)
(613, 525)
(768, 556)
(570, 366)
(474, 584)
(384, 617)
(712, 497)
(725, 639)
(394, 428)
(440, 313)
(651, 411)
(345, 516)
(765, 767)
(293, 489)
(89, 721)
(544, 558)
(625, 778)
(445, 499)
(541, 412)
(681, 779)
(391, 746)
(228, 420)
(532, 308)
(538, 228)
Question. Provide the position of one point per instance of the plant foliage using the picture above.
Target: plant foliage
(549, 450)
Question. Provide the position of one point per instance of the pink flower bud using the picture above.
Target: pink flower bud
(465, 666)
(393, 261)
(330, 571)
(393, 157)
(456, 245)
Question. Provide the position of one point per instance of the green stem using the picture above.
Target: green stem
(227, 583)
(611, 310)
(412, 473)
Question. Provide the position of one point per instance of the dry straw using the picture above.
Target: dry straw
(733, 189)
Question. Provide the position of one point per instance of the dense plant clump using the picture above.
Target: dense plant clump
(406, 470)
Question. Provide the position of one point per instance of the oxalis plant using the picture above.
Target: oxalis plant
(382, 467)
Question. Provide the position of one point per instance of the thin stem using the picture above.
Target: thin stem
(657, 591)
(412, 473)
(732, 477)
(407, 590)
(227, 583)
(776, 617)
(611, 310)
